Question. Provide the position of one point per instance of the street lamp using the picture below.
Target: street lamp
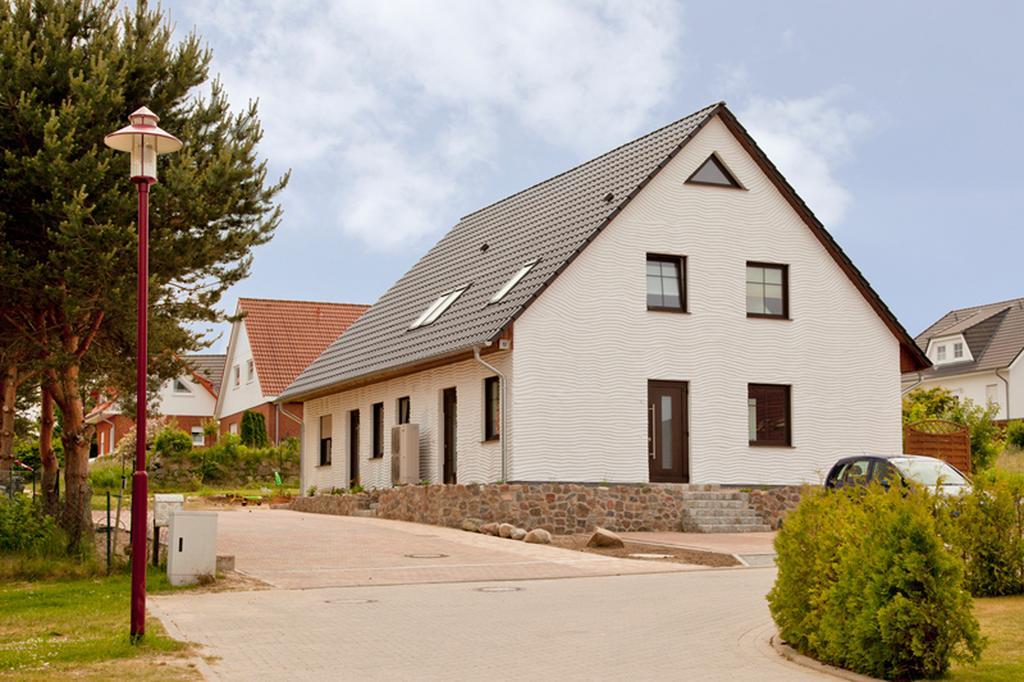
(144, 141)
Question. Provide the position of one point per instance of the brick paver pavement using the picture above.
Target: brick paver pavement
(295, 550)
(698, 625)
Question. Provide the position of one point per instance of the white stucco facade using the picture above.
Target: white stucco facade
(477, 461)
(584, 351)
(1004, 388)
(196, 402)
(246, 393)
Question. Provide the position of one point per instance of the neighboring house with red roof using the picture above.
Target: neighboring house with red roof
(189, 400)
(977, 353)
(669, 311)
(270, 345)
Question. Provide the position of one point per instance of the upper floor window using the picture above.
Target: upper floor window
(666, 282)
(714, 172)
(522, 272)
(180, 387)
(403, 410)
(435, 309)
(236, 374)
(767, 290)
(250, 371)
(768, 414)
(940, 353)
(492, 408)
(958, 350)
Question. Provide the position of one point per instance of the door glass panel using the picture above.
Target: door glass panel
(666, 432)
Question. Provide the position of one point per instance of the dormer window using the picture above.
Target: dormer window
(940, 353)
(523, 271)
(180, 388)
(958, 350)
(435, 309)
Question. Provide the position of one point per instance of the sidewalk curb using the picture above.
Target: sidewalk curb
(175, 633)
(792, 655)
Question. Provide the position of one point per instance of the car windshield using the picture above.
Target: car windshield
(929, 472)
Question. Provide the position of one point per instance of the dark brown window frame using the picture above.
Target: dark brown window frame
(491, 432)
(786, 442)
(325, 444)
(680, 262)
(784, 267)
(377, 417)
(405, 402)
(723, 167)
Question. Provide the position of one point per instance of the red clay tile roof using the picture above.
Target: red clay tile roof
(285, 336)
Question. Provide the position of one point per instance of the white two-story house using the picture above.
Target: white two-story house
(976, 353)
(669, 311)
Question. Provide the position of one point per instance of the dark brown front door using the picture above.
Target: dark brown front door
(450, 419)
(353, 447)
(667, 432)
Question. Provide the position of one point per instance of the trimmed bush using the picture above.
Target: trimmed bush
(866, 583)
(25, 530)
(1015, 434)
(171, 442)
(254, 430)
(986, 527)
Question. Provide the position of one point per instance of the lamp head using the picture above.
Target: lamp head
(144, 140)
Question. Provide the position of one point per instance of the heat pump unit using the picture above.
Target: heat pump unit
(405, 454)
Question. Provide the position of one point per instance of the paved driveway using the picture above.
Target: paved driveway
(697, 625)
(294, 550)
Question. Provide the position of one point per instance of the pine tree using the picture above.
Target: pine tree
(72, 72)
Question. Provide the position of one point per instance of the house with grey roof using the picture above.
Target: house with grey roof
(670, 311)
(976, 353)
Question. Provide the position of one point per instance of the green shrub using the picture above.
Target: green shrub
(1015, 434)
(171, 442)
(105, 475)
(986, 528)
(866, 583)
(254, 430)
(25, 530)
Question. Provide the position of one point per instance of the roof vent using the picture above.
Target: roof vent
(608, 197)
(484, 247)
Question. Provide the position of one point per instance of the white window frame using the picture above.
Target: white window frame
(250, 371)
(236, 375)
(940, 353)
(198, 431)
(437, 308)
(185, 389)
(513, 281)
(958, 350)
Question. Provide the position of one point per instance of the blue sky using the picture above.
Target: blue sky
(899, 123)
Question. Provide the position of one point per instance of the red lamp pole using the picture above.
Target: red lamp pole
(144, 141)
(140, 481)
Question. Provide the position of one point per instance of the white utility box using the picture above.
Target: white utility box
(405, 454)
(165, 504)
(191, 547)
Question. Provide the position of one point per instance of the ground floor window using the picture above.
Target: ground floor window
(403, 410)
(492, 408)
(378, 430)
(198, 437)
(768, 414)
(326, 426)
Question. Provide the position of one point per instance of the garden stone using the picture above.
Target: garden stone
(472, 525)
(505, 530)
(604, 538)
(517, 534)
(538, 536)
(489, 528)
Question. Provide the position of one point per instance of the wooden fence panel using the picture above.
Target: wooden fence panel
(943, 440)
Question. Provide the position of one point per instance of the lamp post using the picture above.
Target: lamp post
(144, 141)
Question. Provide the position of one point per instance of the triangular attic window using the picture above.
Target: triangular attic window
(713, 172)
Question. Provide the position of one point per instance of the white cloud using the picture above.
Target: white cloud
(808, 138)
(434, 88)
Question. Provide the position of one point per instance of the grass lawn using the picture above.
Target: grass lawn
(1002, 621)
(53, 629)
(1011, 460)
(99, 499)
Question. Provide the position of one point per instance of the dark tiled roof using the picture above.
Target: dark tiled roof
(553, 221)
(285, 336)
(994, 333)
(209, 367)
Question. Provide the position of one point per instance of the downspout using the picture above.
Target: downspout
(302, 443)
(503, 436)
(914, 385)
(1006, 384)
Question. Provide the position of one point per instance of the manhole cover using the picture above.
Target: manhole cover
(426, 556)
(642, 555)
(499, 588)
(350, 601)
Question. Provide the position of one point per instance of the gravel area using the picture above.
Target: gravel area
(657, 552)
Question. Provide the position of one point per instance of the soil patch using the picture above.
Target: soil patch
(676, 555)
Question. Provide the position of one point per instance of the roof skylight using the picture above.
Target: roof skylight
(523, 271)
(435, 309)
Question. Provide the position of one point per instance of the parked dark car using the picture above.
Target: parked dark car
(903, 469)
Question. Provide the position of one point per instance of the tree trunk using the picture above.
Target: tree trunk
(51, 470)
(8, 392)
(76, 436)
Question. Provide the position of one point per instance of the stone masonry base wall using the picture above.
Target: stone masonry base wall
(561, 508)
